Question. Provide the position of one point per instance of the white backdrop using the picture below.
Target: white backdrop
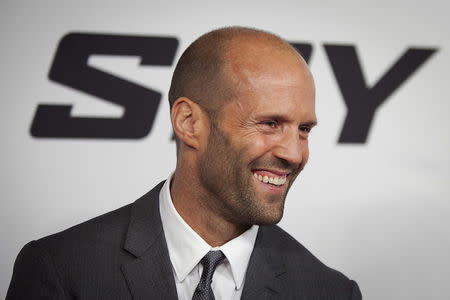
(377, 211)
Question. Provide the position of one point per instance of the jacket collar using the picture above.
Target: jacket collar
(149, 275)
(264, 278)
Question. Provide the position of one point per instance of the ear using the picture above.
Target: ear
(189, 122)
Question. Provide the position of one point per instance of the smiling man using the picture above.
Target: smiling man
(242, 108)
(242, 132)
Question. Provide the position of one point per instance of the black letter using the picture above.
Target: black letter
(304, 49)
(70, 69)
(362, 101)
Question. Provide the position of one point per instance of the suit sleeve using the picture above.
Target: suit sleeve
(34, 275)
(356, 293)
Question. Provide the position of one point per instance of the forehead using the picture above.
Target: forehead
(259, 57)
(280, 99)
(269, 80)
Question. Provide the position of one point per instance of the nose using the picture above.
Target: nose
(292, 148)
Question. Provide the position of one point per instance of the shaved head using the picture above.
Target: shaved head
(242, 106)
(204, 73)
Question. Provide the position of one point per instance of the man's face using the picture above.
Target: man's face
(259, 143)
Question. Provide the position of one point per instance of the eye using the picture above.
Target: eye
(270, 123)
(306, 129)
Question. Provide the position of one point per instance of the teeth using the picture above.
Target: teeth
(271, 180)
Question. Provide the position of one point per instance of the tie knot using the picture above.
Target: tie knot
(212, 259)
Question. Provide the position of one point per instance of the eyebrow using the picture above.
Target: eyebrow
(310, 123)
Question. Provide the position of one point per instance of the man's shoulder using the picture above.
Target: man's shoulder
(109, 228)
(285, 244)
(72, 259)
(104, 228)
(301, 265)
(86, 255)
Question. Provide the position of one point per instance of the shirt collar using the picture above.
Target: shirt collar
(238, 252)
(187, 248)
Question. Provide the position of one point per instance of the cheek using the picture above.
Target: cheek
(256, 145)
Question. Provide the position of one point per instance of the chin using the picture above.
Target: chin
(270, 218)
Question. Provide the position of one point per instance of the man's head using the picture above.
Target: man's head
(242, 105)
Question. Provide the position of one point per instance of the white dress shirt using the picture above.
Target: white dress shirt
(187, 248)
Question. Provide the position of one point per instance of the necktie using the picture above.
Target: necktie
(210, 261)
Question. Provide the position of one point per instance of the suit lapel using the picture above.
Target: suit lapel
(150, 275)
(264, 277)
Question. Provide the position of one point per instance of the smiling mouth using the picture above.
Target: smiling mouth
(270, 179)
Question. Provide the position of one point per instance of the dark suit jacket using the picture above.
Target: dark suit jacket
(123, 255)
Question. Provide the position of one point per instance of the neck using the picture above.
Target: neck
(200, 211)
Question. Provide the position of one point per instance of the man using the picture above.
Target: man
(242, 107)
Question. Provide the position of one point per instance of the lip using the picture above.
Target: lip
(269, 172)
